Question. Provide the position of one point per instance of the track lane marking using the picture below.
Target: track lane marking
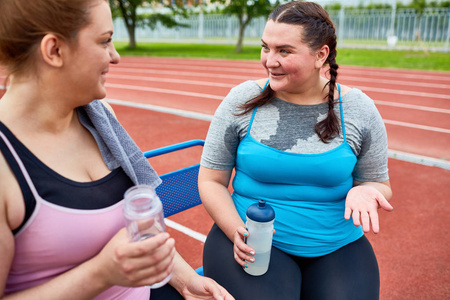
(419, 159)
(186, 230)
(159, 90)
(412, 106)
(416, 126)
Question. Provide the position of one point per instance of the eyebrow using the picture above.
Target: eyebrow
(108, 32)
(279, 46)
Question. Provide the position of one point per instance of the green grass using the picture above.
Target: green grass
(398, 59)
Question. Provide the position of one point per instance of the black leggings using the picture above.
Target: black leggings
(349, 273)
(166, 292)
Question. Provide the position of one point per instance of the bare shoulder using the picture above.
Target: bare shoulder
(344, 89)
(261, 82)
(108, 106)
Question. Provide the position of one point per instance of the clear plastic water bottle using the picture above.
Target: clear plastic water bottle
(144, 216)
(260, 217)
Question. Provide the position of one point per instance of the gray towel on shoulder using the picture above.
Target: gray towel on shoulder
(116, 145)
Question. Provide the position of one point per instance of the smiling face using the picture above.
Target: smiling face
(291, 65)
(89, 60)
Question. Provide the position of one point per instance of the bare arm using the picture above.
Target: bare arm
(193, 286)
(213, 188)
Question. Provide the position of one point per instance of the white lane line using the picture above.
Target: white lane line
(416, 126)
(196, 82)
(397, 82)
(186, 230)
(397, 73)
(158, 90)
(173, 111)
(256, 67)
(207, 117)
(401, 92)
(412, 106)
(157, 67)
(181, 73)
(363, 88)
(262, 74)
(172, 80)
(419, 159)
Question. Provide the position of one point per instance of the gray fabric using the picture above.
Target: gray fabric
(290, 127)
(116, 146)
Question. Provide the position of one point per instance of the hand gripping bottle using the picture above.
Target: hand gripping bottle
(144, 217)
(260, 217)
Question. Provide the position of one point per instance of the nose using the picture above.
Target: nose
(115, 56)
(272, 60)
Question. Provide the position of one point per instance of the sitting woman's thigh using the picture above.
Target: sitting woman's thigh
(350, 273)
(282, 280)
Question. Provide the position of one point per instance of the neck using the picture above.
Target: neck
(308, 94)
(32, 105)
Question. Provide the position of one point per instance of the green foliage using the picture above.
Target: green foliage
(151, 20)
(251, 8)
(335, 6)
(127, 9)
(246, 11)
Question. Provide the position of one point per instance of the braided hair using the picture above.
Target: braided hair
(318, 30)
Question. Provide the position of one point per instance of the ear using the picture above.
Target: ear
(321, 56)
(51, 50)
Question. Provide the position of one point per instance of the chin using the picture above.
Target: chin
(100, 94)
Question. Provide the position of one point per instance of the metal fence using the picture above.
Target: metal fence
(374, 28)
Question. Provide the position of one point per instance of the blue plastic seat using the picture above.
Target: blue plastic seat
(179, 189)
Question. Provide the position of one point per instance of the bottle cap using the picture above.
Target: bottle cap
(261, 212)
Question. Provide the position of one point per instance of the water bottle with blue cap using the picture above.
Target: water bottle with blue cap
(260, 217)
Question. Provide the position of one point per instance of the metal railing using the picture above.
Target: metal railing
(404, 28)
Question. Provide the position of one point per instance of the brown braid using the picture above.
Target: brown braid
(318, 30)
(328, 128)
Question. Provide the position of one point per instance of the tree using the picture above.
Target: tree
(127, 9)
(246, 11)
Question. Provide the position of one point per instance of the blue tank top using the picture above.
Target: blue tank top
(307, 192)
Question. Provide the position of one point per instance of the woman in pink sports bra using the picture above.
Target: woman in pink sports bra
(62, 232)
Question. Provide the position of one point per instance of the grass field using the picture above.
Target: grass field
(399, 59)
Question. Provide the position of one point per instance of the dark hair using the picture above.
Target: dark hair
(23, 24)
(318, 30)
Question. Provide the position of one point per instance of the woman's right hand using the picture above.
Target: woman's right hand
(140, 263)
(242, 252)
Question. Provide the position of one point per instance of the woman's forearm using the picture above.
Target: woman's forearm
(216, 198)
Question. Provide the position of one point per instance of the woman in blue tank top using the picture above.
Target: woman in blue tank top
(66, 162)
(315, 151)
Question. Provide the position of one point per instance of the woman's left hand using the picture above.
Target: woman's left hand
(362, 205)
(200, 287)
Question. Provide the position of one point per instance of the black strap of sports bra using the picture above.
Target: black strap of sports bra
(30, 202)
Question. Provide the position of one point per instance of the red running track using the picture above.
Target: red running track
(412, 247)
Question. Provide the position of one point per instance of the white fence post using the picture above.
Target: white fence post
(341, 26)
(200, 27)
(229, 33)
